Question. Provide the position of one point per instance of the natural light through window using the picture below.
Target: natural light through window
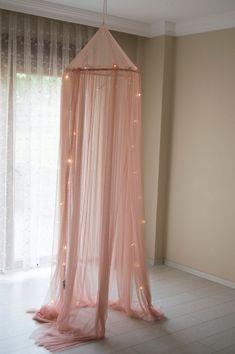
(35, 165)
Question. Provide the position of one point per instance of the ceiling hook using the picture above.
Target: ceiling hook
(104, 12)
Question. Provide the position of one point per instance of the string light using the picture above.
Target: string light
(74, 133)
(65, 247)
(85, 67)
(114, 66)
(132, 244)
(69, 161)
(52, 301)
(138, 94)
(67, 76)
(141, 288)
(61, 203)
(143, 222)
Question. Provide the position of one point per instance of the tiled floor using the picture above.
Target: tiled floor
(200, 317)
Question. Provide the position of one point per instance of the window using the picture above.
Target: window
(35, 164)
(33, 54)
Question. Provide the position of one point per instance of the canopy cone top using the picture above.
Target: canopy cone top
(102, 52)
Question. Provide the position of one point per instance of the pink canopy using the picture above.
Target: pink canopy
(101, 254)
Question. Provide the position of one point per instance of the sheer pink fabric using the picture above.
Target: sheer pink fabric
(101, 257)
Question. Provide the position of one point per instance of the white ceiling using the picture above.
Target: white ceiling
(151, 10)
(143, 17)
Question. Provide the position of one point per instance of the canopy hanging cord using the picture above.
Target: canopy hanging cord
(104, 12)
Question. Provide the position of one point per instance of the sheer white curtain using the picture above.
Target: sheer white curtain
(33, 53)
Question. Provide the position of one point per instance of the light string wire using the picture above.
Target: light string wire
(104, 12)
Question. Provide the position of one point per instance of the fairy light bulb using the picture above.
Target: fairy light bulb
(132, 244)
(143, 222)
(141, 288)
(52, 301)
(67, 76)
(85, 67)
(69, 161)
(61, 203)
(138, 94)
(74, 133)
(114, 66)
(65, 247)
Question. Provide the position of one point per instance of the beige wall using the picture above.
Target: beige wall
(155, 59)
(148, 54)
(201, 206)
(152, 84)
(157, 71)
(197, 228)
(129, 43)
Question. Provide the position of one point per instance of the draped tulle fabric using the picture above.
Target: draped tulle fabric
(101, 256)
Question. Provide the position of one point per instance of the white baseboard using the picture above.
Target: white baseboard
(207, 276)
